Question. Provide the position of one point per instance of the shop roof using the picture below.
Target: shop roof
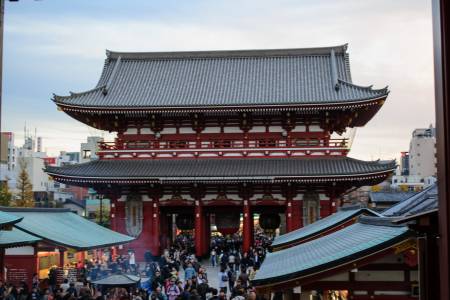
(344, 246)
(16, 237)
(65, 228)
(389, 197)
(8, 219)
(426, 200)
(321, 226)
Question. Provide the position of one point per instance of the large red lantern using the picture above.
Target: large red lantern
(185, 221)
(269, 221)
(227, 223)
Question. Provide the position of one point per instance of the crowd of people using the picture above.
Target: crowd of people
(176, 275)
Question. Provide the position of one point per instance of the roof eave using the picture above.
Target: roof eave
(336, 264)
(281, 246)
(68, 107)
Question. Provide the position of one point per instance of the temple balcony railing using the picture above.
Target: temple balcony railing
(222, 148)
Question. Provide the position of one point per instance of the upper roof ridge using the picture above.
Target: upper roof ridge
(340, 49)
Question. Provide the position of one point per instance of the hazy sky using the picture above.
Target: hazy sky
(57, 46)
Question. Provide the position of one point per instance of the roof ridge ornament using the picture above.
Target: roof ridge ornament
(334, 74)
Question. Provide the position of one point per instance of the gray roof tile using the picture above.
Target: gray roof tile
(224, 78)
(248, 168)
(424, 201)
(391, 197)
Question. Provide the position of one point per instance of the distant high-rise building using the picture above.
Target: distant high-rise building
(39, 144)
(418, 166)
(404, 163)
(422, 152)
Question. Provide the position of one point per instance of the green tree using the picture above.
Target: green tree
(24, 186)
(105, 216)
(5, 194)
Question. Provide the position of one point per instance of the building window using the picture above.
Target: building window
(86, 154)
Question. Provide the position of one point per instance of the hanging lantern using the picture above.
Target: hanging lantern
(269, 221)
(227, 223)
(185, 221)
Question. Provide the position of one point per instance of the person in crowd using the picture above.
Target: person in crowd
(173, 291)
(223, 279)
(189, 272)
(213, 257)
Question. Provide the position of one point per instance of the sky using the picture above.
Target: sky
(57, 46)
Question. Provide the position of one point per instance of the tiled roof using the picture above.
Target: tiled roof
(320, 226)
(424, 201)
(62, 227)
(224, 79)
(223, 169)
(16, 238)
(8, 219)
(391, 197)
(343, 246)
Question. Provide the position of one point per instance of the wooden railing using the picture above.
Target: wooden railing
(224, 144)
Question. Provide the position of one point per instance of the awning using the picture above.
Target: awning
(65, 228)
(320, 226)
(118, 280)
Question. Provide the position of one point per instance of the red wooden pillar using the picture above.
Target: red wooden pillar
(333, 204)
(206, 233)
(155, 249)
(2, 264)
(120, 216)
(146, 237)
(113, 214)
(289, 221)
(164, 230)
(324, 208)
(247, 226)
(198, 229)
(296, 219)
(61, 258)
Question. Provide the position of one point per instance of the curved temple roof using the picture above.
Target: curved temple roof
(344, 246)
(320, 226)
(8, 219)
(16, 238)
(424, 201)
(65, 228)
(307, 169)
(214, 79)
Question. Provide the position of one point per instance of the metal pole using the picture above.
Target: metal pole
(2, 12)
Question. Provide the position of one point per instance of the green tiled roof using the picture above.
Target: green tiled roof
(16, 238)
(62, 227)
(7, 219)
(343, 246)
(320, 226)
